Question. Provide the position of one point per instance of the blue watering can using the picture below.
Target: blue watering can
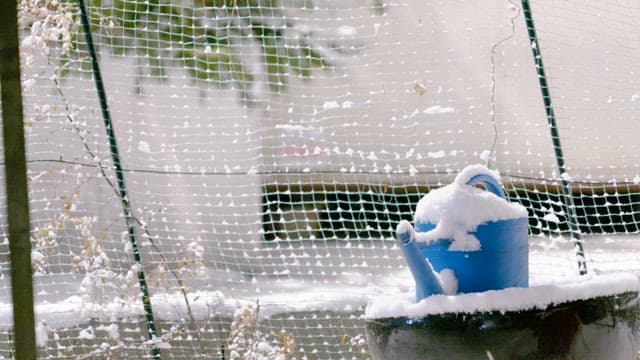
(500, 261)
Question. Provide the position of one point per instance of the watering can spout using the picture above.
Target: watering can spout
(427, 282)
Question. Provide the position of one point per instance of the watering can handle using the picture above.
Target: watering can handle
(489, 182)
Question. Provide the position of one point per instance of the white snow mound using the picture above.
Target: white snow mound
(457, 209)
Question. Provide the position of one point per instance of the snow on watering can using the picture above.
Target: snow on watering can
(466, 239)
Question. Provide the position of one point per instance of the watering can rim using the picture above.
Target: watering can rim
(489, 182)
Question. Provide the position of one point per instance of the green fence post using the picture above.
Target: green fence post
(567, 198)
(122, 188)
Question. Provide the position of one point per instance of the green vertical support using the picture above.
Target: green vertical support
(122, 189)
(567, 198)
(16, 183)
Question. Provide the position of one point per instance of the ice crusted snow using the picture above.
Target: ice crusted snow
(457, 209)
(512, 299)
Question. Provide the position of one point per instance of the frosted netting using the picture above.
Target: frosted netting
(271, 147)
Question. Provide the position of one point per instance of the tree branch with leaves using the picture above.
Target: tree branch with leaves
(209, 39)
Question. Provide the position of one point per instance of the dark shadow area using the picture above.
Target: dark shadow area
(361, 211)
(604, 327)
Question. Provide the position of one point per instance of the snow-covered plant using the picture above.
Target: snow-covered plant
(247, 342)
(163, 342)
(94, 262)
(358, 343)
(45, 237)
(191, 263)
(51, 21)
(51, 25)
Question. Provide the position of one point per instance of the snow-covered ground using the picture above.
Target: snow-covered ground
(613, 261)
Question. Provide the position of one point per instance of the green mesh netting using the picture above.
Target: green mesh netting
(271, 147)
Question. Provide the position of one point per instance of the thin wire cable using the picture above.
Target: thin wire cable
(493, 80)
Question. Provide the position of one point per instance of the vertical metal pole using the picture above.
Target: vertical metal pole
(122, 189)
(567, 198)
(16, 183)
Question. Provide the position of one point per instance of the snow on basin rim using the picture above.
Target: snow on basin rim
(511, 299)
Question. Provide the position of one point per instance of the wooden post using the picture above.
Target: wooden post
(16, 183)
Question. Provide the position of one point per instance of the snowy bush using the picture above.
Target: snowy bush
(246, 341)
